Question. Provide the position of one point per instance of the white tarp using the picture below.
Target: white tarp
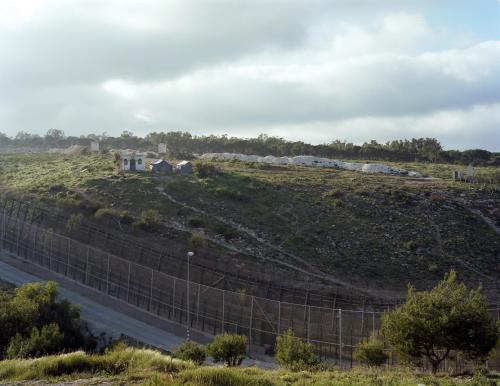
(308, 160)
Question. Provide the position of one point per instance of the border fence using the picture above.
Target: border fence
(334, 331)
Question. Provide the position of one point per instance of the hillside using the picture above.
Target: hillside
(370, 233)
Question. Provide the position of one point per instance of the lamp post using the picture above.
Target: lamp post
(189, 255)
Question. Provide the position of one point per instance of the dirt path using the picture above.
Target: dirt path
(300, 265)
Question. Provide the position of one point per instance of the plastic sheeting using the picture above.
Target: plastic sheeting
(307, 160)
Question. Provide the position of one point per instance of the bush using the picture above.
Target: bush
(293, 353)
(371, 352)
(205, 170)
(228, 348)
(47, 340)
(120, 216)
(190, 351)
(149, 221)
(196, 242)
(224, 230)
(196, 222)
(74, 220)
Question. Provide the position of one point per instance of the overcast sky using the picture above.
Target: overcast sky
(307, 70)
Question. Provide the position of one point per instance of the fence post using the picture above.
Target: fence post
(128, 283)
(373, 322)
(250, 328)
(151, 291)
(308, 322)
(340, 337)
(17, 239)
(87, 266)
(4, 228)
(223, 301)
(279, 317)
(67, 260)
(173, 299)
(108, 272)
(198, 306)
(51, 246)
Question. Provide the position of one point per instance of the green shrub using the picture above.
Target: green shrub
(224, 230)
(228, 348)
(196, 222)
(121, 216)
(205, 170)
(190, 351)
(74, 220)
(47, 340)
(371, 352)
(149, 221)
(196, 242)
(230, 193)
(293, 353)
(410, 245)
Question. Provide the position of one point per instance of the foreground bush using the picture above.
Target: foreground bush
(293, 353)
(47, 340)
(190, 351)
(25, 314)
(228, 348)
(371, 353)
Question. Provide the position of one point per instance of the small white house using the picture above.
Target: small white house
(94, 147)
(132, 161)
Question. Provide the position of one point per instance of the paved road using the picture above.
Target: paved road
(102, 318)
(110, 321)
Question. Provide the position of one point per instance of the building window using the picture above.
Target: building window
(125, 161)
(139, 161)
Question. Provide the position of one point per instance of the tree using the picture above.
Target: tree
(36, 305)
(228, 348)
(433, 323)
(371, 352)
(293, 353)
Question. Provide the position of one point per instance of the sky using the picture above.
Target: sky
(312, 70)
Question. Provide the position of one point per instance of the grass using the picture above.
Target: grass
(346, 223)
(122, 361)
(138, 366)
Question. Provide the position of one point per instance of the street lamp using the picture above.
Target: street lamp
(189, 255)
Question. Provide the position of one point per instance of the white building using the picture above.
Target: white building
(132, 161)
(94, 147)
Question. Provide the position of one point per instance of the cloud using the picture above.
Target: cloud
(245, 68)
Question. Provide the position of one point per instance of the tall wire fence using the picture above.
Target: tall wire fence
(333, 331)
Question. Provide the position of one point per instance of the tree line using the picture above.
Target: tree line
(184, 144)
